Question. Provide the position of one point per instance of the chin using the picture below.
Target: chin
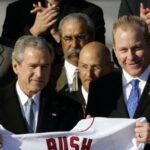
(135, 73)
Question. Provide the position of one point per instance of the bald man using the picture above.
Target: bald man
(94, 62)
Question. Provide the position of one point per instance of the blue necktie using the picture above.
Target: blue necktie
(29, 115)
(133, 98)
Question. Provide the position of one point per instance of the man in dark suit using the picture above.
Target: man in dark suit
(132, 7)
(94, 62)
(136, 7)
(19, 21)
(76, 30)
(111, 95)
(31, 61)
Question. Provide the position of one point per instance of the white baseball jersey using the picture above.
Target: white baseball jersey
(89, 134)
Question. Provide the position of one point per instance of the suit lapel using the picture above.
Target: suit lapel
(13, 112)
(121, 109)
(81, 97)
(62, 81)
(144, 100)
(48, 113)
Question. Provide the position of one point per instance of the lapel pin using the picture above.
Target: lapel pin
(54, 114)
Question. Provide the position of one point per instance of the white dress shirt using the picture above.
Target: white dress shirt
(85, 94)
(127, 79)
(70, 69)
(23, 99)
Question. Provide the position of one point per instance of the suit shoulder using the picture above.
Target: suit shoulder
(113, 77)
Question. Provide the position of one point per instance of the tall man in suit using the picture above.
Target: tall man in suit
(76, 30)
(31, 61)
(110, 96)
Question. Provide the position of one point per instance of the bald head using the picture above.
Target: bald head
(96, 50)
(94, 62)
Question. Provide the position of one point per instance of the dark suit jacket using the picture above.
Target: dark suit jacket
(57, 112)
(18, 18)
(77, 96)
(132, 7)
(6, 72)
(58, 78)
(106, 99)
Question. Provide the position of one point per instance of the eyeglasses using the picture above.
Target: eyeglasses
(94, 67)
(79, 38)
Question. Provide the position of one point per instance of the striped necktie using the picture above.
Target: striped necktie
(75, 80)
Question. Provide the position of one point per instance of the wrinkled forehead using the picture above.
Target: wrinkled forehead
(74, 27)
(129, 30)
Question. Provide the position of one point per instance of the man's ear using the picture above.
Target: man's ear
(114, 49)
(15, 66)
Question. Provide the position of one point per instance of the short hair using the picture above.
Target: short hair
(129, 22)
(81, 17)
(30, 41)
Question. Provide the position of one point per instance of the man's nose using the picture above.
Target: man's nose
(75, 43)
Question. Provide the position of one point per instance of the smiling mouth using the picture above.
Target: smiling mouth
(88, 80)
(38, 81)
(134, 63)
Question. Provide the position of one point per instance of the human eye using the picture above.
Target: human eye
(45, 66)
(97, 67)
(123, 50)
(67, 38)
(81, 37)
(32, 66)
(138, 47)
(84, 66)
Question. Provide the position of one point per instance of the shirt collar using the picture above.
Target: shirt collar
(23, 97)
(143, 77)
(85, 94)
(69, 68)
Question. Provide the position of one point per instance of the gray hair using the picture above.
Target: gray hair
(81, 17)
(129, 22)
(30, 41)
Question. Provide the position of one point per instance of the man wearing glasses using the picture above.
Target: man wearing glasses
(94, 62)
(76, 30)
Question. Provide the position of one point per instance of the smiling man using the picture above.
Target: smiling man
(94, 62)
(27, 105)
(76, 30)
(126, 95)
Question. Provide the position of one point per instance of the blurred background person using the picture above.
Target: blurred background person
(76, 30)
(94, 62)
(48, 13)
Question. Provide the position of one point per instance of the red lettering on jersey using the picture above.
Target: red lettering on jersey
(60, 143)
(51, 144)
(65, 143)
(72, 144)
(86, 144)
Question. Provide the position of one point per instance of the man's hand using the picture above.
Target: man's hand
(1, 142)
(88, 116)
(145, 14)
(142, 132)
(45, 18)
